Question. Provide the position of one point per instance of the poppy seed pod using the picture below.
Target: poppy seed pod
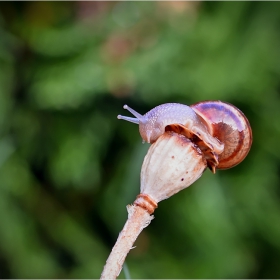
(172, 164)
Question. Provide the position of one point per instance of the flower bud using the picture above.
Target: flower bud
(172, 164)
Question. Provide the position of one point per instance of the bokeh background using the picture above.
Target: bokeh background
(68, 167)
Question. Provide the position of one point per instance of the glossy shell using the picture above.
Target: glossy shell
(228, 124)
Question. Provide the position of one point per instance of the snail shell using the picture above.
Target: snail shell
(228, 124)
(220, 130)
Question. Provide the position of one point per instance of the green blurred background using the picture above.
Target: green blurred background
(68, 167)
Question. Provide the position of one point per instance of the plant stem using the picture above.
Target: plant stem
(138, 219)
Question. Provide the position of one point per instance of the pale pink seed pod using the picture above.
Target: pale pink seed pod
(172, 163)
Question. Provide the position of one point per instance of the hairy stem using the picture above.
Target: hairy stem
(138, 219)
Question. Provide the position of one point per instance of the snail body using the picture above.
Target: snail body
(220, 130)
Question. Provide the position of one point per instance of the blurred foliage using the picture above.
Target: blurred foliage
(68, 167)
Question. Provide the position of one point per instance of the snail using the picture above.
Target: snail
(220, 130)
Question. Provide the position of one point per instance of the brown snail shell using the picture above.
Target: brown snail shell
(230, 126)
